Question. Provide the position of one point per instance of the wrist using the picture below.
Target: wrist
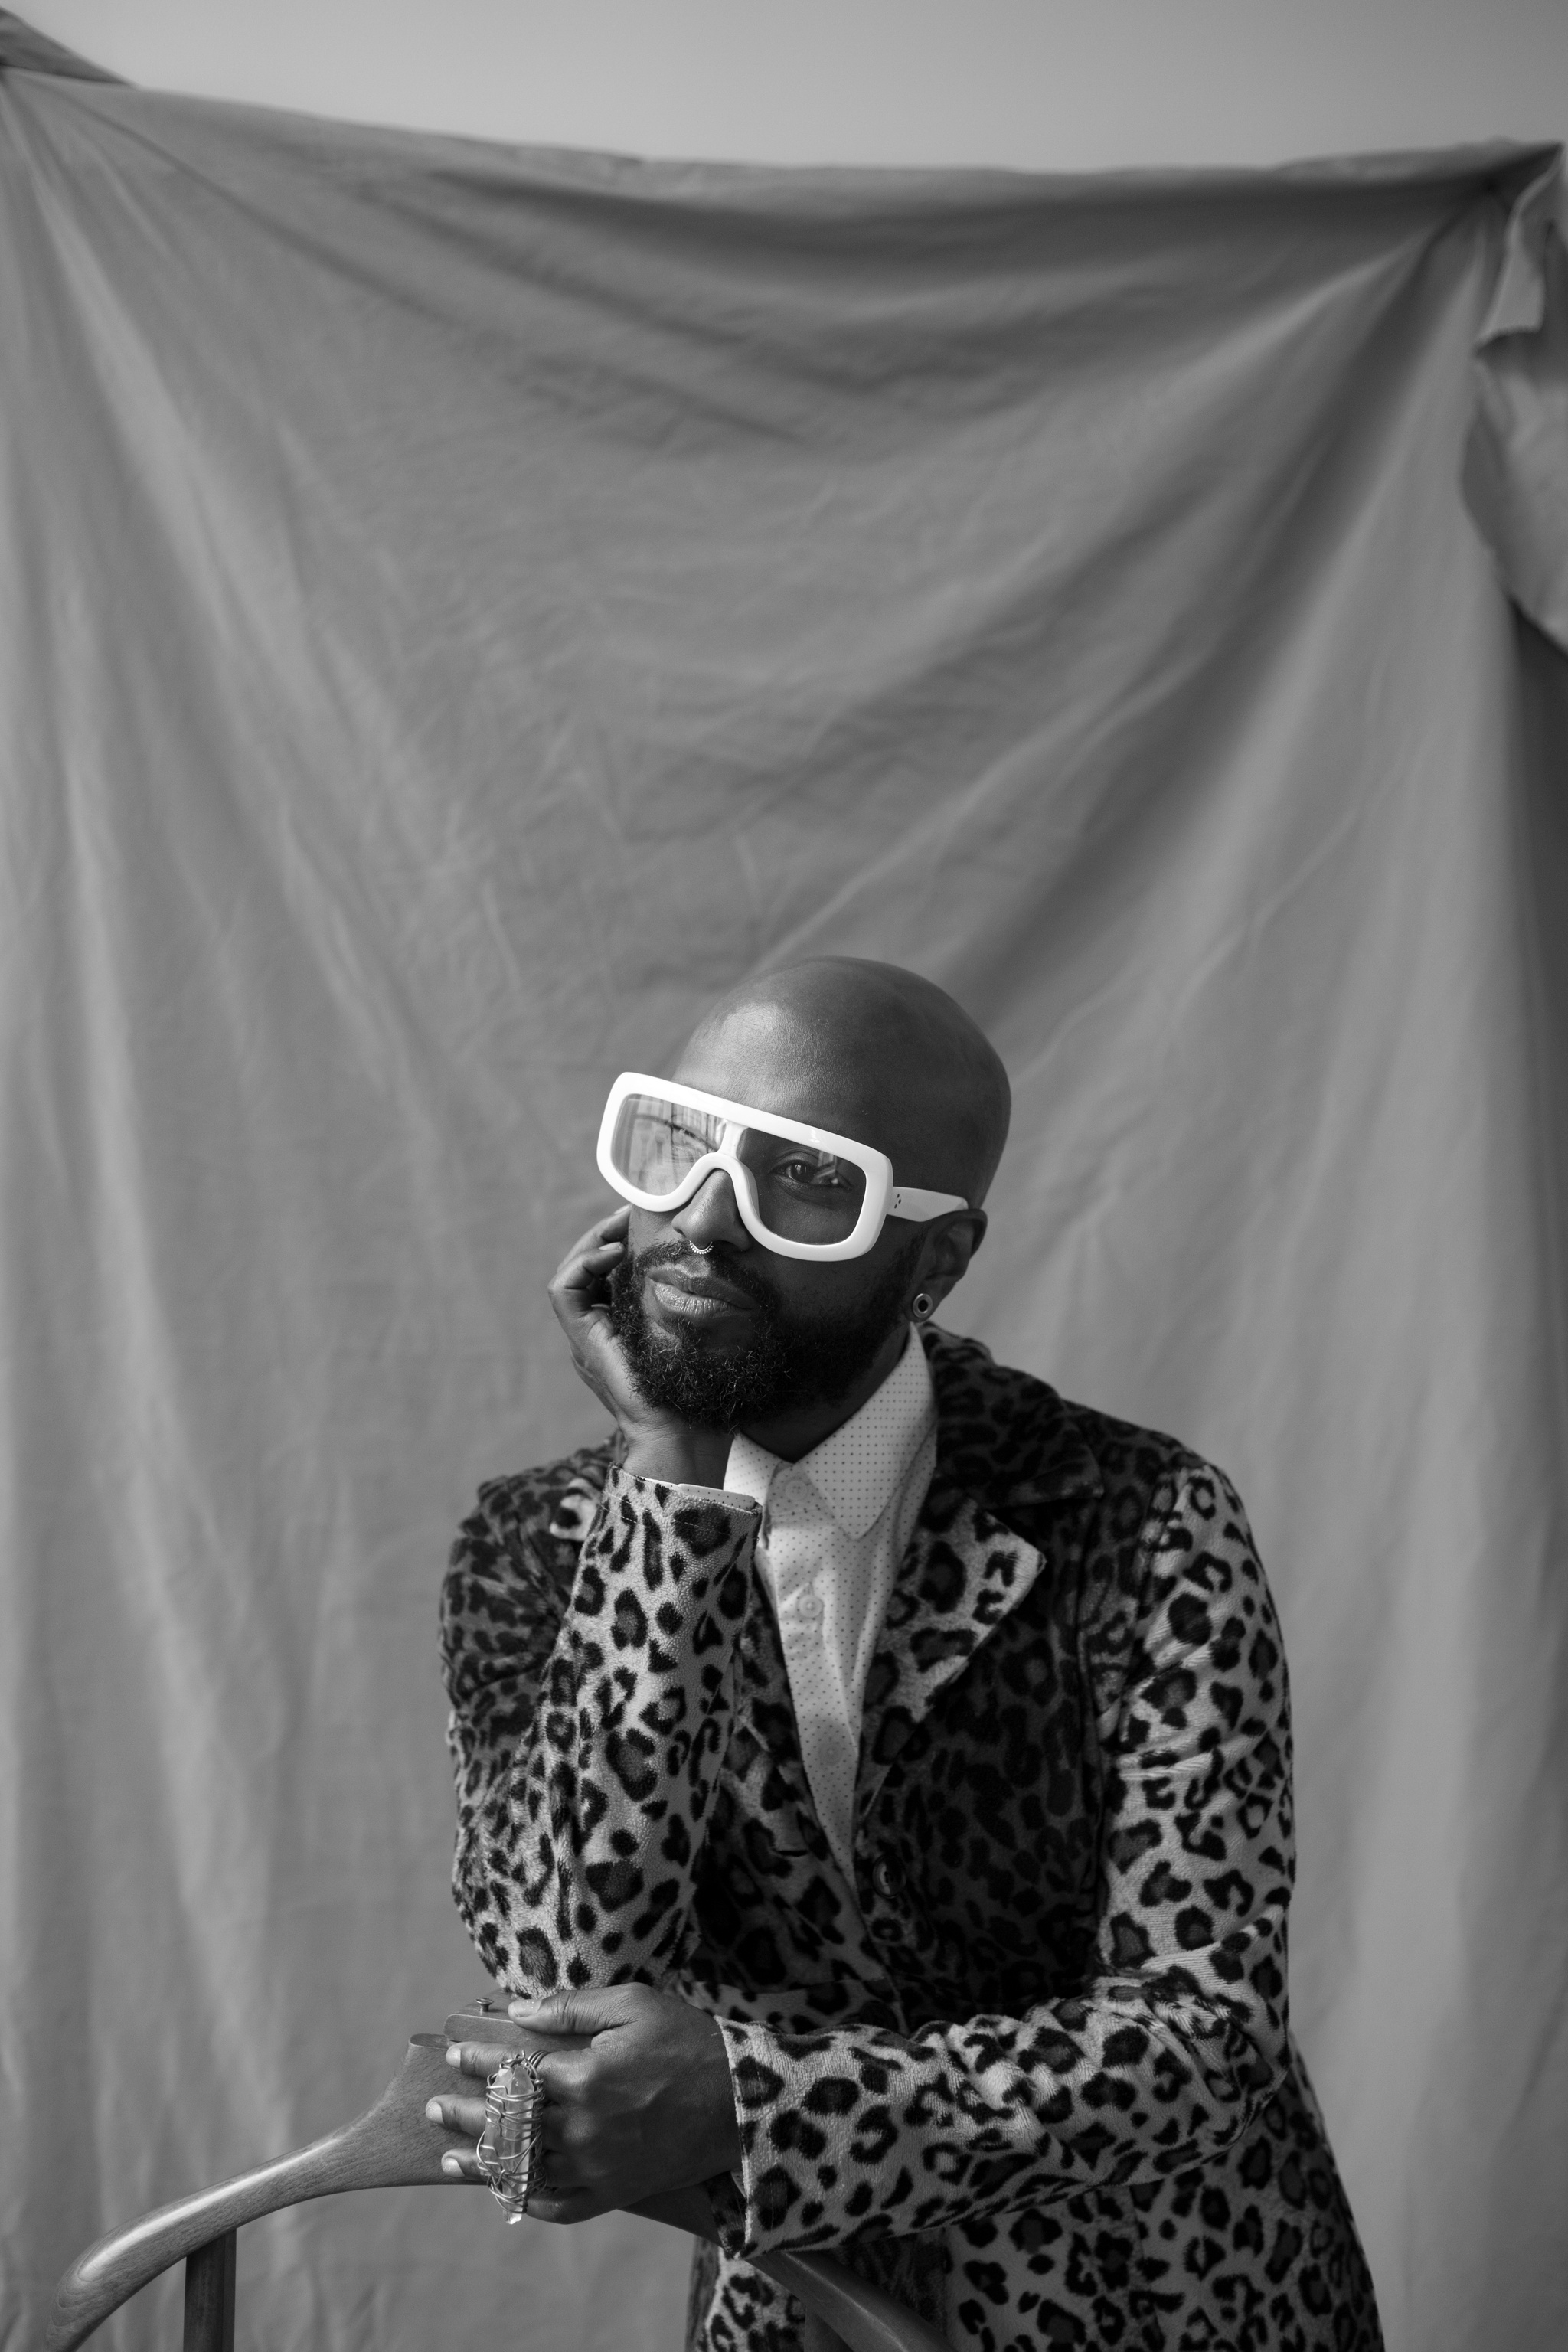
(679, 1456)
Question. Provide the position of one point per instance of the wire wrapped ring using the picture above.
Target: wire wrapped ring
(508, 2149)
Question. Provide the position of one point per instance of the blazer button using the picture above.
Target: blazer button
(887, 1877)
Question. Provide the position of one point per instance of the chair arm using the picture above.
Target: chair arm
(393, 2146)
(390, 2145)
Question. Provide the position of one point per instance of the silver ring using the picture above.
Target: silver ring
(702, 1252)
(507, 2150)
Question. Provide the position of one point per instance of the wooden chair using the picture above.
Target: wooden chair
(393, 2145)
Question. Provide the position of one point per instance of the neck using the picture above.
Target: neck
(793, 1435)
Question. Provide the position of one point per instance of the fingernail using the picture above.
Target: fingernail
(454, 2054)
(518, 2010)
(433, 2111)
(451, 2164)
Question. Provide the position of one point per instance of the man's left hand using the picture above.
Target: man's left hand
(645, 2105)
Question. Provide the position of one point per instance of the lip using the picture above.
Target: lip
(697, 1298)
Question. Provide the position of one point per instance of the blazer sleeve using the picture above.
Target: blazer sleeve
(588, 1723)
(1178, 2034)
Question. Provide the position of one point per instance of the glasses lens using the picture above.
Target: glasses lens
(657, 1144)
(802, 1195)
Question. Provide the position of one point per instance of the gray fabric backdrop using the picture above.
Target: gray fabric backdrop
(459, 610)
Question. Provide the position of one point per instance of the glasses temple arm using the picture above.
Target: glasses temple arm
(910, 1201)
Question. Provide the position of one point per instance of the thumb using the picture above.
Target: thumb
(588, 2012)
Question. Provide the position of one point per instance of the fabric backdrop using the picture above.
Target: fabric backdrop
(459, 609)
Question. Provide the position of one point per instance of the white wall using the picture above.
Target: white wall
(1044, 84)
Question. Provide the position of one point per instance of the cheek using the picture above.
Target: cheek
(823, 1294)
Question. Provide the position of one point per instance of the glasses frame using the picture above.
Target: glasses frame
(884, 1197)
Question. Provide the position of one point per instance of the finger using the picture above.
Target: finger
(479, 2058)
(457, 2114)
(590, 1257)
(461, 2164)
(597, 1248)
(553, 2204)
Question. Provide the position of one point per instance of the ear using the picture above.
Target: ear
(947, 1245)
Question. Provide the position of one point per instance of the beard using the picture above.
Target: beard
(788, 1364)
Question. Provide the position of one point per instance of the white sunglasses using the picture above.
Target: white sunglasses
(801, 1191)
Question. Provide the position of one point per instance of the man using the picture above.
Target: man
(886, 1763)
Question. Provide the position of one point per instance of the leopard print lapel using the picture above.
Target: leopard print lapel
(1009, 1454)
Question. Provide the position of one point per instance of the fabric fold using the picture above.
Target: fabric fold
(23, 50)
(1516, 456)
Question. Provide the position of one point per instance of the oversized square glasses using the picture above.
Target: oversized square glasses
(800, 1190)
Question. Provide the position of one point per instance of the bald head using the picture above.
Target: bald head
(868, 1050)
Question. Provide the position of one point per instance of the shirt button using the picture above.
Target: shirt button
(808, 1604)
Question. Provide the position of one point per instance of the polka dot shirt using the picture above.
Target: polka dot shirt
(834, 1526)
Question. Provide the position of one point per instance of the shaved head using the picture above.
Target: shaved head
(868, 1050)
(726, 1333)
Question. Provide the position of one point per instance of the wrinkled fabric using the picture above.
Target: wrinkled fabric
(1515, 460)
(459, 609)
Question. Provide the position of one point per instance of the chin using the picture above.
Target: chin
(677, 1341)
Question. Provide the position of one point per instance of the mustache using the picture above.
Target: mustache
(658, 1254)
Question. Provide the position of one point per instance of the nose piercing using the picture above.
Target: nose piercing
(703, 1249)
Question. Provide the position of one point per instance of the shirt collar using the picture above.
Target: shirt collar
(857, 1470)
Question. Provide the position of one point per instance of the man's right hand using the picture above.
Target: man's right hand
(658, 1445)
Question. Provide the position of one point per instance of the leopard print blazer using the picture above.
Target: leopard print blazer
(1033, 2068)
